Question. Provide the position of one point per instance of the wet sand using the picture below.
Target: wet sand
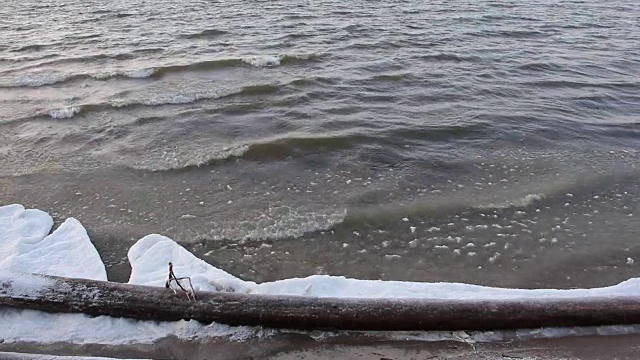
(304, 348)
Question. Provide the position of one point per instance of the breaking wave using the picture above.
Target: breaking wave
(260, 150)
(175, 159)
(161, 100)
(54, 78)
(553, 195)
(204, 34)
(65, 113)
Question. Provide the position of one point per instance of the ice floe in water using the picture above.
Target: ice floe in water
(26, 246)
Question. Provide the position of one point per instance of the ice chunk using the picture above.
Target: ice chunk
(26, 247)
(150, 258)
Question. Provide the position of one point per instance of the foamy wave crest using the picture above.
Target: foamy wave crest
(275, 60)
(44, 79)
(65, 113)
(280, 222)
(175, 159)
(139, 74)
(263, 61)
(169, 99)
(50, 78)
(522, 202)
(37, 80)
(132, 74)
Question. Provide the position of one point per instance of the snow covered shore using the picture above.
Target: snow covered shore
(26, 246)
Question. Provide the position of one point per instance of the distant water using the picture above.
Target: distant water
(494, 142)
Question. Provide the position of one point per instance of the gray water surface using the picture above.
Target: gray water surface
(491, 142)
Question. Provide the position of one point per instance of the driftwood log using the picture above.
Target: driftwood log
(298, 312)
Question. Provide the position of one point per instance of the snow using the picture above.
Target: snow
(23, 356)
(26, 246)
(23, 285)
(39, 327)
(149, 260)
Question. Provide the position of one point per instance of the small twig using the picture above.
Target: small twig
(191, 294)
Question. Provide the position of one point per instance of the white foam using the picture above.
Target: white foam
(133, 74)
(522, 202)
(65, 113)
(39, 79)
(167, 99)
(176, 158)
(140, 73)
(263, 60)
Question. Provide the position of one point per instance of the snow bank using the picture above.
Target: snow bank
(25, 245)
(23, 356)
(20, 229)
(149, 260)
(40, 327)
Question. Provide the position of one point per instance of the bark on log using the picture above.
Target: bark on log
(297, 312)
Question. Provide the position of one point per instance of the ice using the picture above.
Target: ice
(26, 247)
(24, 356)
(20, 229)
(150, 257)
(39, 327)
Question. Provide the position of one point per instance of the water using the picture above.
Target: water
(491, 142)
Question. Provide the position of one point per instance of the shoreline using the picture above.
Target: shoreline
(303, 347)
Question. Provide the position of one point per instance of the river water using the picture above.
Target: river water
(490, 142)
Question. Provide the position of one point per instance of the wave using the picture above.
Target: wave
(65, 113)
(53, 78)
(431, 208)
(131, 74)
(259, 150)
(208, 33)
(256, 60)
(540, 66)
(553, 194)
(45, 79)
(506, 34)
(177, 160)
(554, 84)
(391, 77)
(449, 57)
(168, 99)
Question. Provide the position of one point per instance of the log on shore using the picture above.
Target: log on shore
(298, 312)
